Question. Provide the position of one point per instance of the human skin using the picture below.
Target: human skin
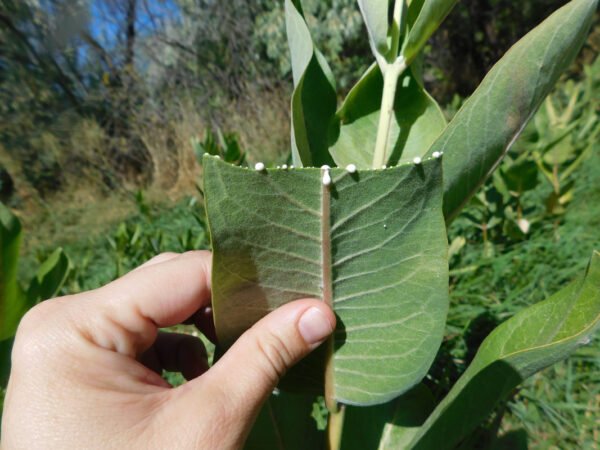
(84, 367)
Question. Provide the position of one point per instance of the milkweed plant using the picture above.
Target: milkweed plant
(359, 220)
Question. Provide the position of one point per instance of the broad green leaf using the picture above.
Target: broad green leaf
(490, 121)
(417, 123)
(375, 15)
(390, 426)
(285, 423)
(49, 278)
(533, 339)
(12, 300)
(431, 15)
(373, 245)
(314, 98)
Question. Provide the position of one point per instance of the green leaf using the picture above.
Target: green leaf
(390, 426)
(375, 15)
(521, 176)
(490, 121)
(49, 278)
(431, 15)
(314, 98)
(533, 339)
(5, 363)
(418, 121)
(12, 300)
(373, 245)
(561, 152)
(285, 423)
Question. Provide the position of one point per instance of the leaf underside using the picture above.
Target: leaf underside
(380, 248)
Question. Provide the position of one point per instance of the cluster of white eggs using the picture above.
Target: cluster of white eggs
(350, 168)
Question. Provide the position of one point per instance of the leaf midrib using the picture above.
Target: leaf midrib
(327, 285)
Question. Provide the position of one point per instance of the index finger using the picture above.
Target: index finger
(165, 293)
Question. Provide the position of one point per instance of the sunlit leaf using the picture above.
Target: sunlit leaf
(490, 121)
(375, 14)
(431, 15)
(417, 122)
(533, 339)
(314, 97)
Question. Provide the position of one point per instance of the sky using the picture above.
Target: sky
(108, 16)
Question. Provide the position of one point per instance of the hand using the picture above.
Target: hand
(77, 380)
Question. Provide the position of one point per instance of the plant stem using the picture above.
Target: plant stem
(390, 80)
(335, 426)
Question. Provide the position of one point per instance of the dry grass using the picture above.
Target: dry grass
(261, 118)
(174, 169)
(97, 190)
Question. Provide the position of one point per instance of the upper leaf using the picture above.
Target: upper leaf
(12, 300)
(417, 122)
(490, 121)
(533, 339)
(375, 15)
(314, 98)
(431, 15)
(373, 245)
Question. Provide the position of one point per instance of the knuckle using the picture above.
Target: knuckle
(39, 315)
(33, 327)
(276, 356)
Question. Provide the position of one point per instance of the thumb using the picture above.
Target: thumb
(252, 367)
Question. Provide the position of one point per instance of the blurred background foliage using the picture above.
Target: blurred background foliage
(106, 108)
